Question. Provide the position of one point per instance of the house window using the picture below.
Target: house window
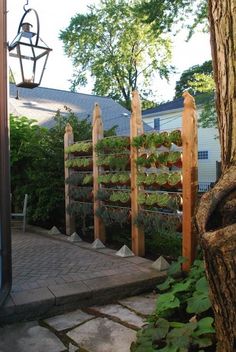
(203, 155)
(157, 124)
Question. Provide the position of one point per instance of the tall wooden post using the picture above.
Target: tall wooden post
(68, 140)
(5, 230)
(190, 177)
(136, 128)
(99, 229)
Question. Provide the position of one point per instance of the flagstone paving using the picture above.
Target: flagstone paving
(110, 328)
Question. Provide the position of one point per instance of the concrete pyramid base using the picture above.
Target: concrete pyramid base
(160, 264)
(125, 252)
(97, 244)
(74, 237)
(54, 231)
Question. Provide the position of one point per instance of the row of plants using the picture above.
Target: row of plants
(118, 197)
(83, 164)
(119, 162)
(118, 179)
(163, 159)
(160, 200)
(152, 222)
(156, 140)
(183, 319)
(80, 148)
(160, 180)
(111, 216)
(80, 179)
(114, 144)
(83, 194)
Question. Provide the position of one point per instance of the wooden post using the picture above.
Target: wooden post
(99, 229)
(136, 128)
(68, 140)
(190, 177)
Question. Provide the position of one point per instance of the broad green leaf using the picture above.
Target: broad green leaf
(202, 341)
(181, 286)
(176, 324)
(202, 285)
(205, 326)
(169, 349)
(176, 266)
(181, 337)
(166, 284)
(167, 301)
(198, 303)
(162, 328)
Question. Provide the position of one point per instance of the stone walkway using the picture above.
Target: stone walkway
(110, 328)
(52, 275)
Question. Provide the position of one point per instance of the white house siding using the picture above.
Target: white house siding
(207, 141)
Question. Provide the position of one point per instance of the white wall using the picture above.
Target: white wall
(207, 141)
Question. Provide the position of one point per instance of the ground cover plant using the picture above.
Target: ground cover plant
(183, 319)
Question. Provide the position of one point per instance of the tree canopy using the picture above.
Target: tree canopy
(119, 51)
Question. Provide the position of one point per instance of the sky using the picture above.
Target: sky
(55, 15)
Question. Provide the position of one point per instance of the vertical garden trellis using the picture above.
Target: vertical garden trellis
(188, 137)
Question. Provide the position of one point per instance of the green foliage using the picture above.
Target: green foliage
(111, 216)
(37, 165)
(115, 144)
(172, 327)
(117, 48)
(157, 139)
(164, 15)
(190, 79)
(80, 163)
(114, 162)
(83, 148)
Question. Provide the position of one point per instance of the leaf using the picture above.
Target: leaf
(176, 266)
(198, 303)
(202, 341)
(162, 328)
(167, 301)
(166, 284)
(205, 326)
(168, 349)
(202, 285)
(176, 324)
(181, 286)
(181, 337)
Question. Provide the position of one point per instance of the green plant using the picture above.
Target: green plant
(139, 141)
(174, 158)
(103, 194)
(87, 179)
(150, 179)
(120, 196)
(114, 144)
(141, 179)
(174, 178)
(176, 138)
(111, 216)
(166, 141)
(142, 198)
(79, 163)
(162, 158)
(180, 322)
(163, 200)
(82, 148)
(162, 178)
(105, 178)
(114, 162)
(83, 194)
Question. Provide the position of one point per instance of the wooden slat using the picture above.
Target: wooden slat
(190, 177)
(99, 229)
(136, 128)
(68, 140)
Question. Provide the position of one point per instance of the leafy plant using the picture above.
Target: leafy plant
(174, 159)
(120, 196)
(162, 178)
(175, 137)
(111, 216)
(83, 194)
(180, 322)
(175, 178)
(139, 141)
(114, 144)
(103, 194)
(114, 162)
(87, 180)
(80, 163)
(82, 148)
(105, 178)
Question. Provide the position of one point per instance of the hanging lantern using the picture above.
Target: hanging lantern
(28, 55)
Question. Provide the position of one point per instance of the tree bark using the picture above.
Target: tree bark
(216, 214)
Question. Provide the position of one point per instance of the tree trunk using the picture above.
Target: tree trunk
(216, 214)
